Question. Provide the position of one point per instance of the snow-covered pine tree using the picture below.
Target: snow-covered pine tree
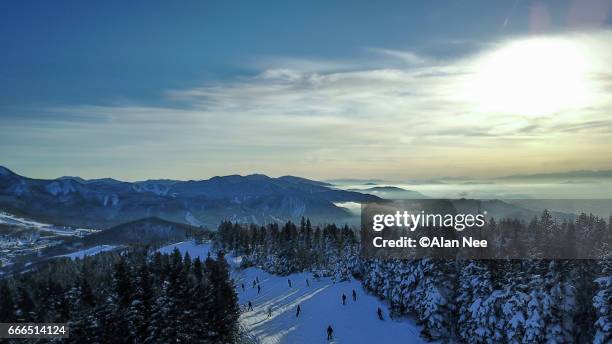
(435, 295)
(560, 310)
(602, 301)
(475, 287)
(514, 302)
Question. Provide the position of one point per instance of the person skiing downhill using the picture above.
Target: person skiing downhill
(258, 289)
(354, 295)
(379, 312)
(250, 308)
(343, 299)
(270, 312)
(289, 282)
(242, 285)
(330, 333)
(254, 283)
(297, 311)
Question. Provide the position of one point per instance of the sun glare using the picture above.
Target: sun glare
(532, 77)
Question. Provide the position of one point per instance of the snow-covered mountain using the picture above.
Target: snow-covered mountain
(106, 202)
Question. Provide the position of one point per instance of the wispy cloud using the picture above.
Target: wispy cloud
(390, 114)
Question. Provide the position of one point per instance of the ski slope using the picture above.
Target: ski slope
(90, 251)
(321, 305)
(11, 219)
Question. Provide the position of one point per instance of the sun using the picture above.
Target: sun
(531, 77)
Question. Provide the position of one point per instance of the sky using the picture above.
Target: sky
(345, 89)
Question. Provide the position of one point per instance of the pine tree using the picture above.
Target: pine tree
(435, 294)
(122, 284)
(7, 304)
(475, 313)
(560, 309)
(602, 302)
(202, 304)
(224, 310)
(161, 329)
(139, 311)
(120, 299)
(25, 305)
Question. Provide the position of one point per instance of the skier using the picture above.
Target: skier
(242, 285)
(270, 312)
(257, 279)
(258, 289)
(307, 283)
(379, 312)
(297, 311)
(343, 299)
(254, 284)
(250, 306)
(289, 282)
(330, 332)
(354, 295)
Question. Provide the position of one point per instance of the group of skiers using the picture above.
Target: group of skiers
(255, 284)
(330, 330)
(291, 284)
(354, 297)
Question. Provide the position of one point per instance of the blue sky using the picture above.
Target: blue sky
(75, 52)
(194, 89)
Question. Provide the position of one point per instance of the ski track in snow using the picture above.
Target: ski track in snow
(321, 305)
(89, 251)
(58, 230)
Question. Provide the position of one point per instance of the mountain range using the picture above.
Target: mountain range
(104, 203)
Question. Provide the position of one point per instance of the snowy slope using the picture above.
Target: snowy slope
(355, 322)
(11, 219)
(90, 251)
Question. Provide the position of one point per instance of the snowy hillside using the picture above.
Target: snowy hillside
(23, 239)
(10, 219)
(90, 251)
(321, 305)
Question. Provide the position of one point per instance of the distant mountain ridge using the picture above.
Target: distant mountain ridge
(562, 175)
(106, 202)
(391, 192)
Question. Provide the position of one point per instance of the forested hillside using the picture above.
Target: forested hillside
(128, 297)
(474, 301)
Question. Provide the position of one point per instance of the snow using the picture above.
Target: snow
(192, 219)
(90, 251)
(57, 230)
(153, 188)
(111, 200)
(190, 246)
(353, 207)
(63, 187)
(14, 220)
(355, 322)
(18, 188)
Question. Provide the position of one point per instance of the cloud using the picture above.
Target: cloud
(392, 114)
(409, 57)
